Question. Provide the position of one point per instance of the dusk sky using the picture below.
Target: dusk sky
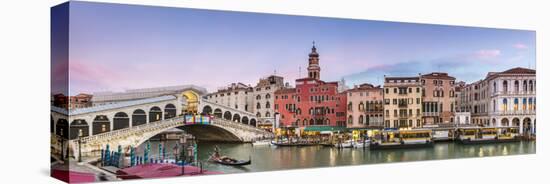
(117, 47)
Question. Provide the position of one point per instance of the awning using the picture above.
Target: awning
(325, 128)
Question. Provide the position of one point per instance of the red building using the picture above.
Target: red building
(313, 101)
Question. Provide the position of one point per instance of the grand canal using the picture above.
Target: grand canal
(268, 158)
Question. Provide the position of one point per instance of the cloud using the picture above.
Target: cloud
(520, 46)
(468, 67)
(487, 54)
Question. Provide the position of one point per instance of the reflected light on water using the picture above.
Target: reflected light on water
(268, 158)
(480, 153)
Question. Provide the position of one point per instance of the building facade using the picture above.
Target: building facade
(263, 99)
(365, 106)
(505, 98)
(312, 101)
(438, 98)
(402, 102)
(236, 95)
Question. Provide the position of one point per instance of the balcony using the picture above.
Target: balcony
(514, 113)
(514, 93)
(431, 113)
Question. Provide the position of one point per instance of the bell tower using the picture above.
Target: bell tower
(314, 70)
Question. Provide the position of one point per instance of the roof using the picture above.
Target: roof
(59, 110)
(120, 105)
(401, 78)
(133, 94)
(438, 75)
(519, 70)
(513, 71)
(363, 87)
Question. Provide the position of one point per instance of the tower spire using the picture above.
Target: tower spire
(314, 70)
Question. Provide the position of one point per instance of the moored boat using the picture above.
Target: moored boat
(345, 144)
(287, 144)
(261, 143)
(361, 144)
(416, 138)
(486, 135)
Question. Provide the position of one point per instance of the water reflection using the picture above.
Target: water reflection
(266, 158)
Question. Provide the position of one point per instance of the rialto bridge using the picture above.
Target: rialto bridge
(131, 122)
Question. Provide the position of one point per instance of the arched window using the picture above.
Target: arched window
(516, 86)
(530, 104)
(531, 86)
(350, 107)
(525, 86)
(258, 97)
(311, 111)
(516, 104)
(350, 119)
(258, 114)
(361, 119)
(267, 114)
(494, 87)
(267, 105)
(361, 106)
(258, 106)
(267, 96)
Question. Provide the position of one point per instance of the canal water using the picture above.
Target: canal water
(268, 158)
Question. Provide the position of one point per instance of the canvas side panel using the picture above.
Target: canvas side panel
(59, 120)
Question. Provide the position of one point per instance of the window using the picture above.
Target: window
(361, 119)
(516, 104)
(258, 106)
(505, 86)
(267, 114)
(267, 96)
(267, 105)
(258, 97)
(504, 104)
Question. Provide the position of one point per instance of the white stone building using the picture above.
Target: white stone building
(505, 98)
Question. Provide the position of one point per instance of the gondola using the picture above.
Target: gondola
(231, 161)
(224, 160)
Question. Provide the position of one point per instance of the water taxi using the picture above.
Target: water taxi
(415, 138)
(479, 135)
